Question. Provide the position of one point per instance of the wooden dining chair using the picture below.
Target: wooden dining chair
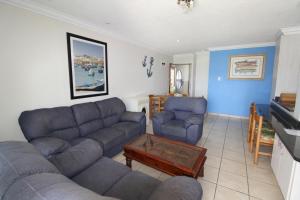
(262, 134)
(251, 114)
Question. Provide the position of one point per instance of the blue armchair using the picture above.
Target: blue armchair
(182, 119)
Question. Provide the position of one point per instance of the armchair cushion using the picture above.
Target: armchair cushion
(132, 116)
(163, 117)
(77, 158)
(194, 120)
(178, 188)
(50, 145)
(174, 129)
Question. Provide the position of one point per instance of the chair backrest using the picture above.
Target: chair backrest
(257, 124)
(183, 107)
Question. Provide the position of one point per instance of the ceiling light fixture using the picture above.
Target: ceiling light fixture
(186, 3)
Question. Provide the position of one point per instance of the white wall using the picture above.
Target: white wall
(187, 59)
(34, 67)
(199, 71)
(202, 71)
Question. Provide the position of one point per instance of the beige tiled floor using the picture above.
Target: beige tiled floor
(229, 172)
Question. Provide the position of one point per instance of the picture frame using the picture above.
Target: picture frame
(88, 72)
(246, 67)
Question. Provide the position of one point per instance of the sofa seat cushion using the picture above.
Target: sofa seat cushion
(102, 175)
(130, 129)
(46, 186)
(174, 128)
(108, 137)
(133, 186)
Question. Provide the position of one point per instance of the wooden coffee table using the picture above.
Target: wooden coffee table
(172, 157)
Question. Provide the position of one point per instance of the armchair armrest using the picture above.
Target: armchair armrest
(163, 117)
(194, 120)
(132, 116)
(50, 145)
(178, 188)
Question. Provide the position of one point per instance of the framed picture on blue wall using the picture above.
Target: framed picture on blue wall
(87, 66)
(246, 67)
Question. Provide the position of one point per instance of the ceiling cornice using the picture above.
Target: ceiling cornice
(243, 46)
(290, 30)
(60, 16)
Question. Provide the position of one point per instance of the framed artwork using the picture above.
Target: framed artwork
(246, 67)
(87, 67)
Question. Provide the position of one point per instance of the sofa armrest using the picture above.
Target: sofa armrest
(50, 145)
(194, 120)
(178, 188)
(132, 116)
(163, 117)
(78, 157)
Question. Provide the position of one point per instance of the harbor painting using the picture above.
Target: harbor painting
(246, 67)
(87, 67)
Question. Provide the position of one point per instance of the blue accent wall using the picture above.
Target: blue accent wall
(233, 97)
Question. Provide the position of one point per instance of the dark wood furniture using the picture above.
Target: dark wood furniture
(172, 157)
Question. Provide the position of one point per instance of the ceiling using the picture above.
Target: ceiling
(164, 26)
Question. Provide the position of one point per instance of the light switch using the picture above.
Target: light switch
(219, 78)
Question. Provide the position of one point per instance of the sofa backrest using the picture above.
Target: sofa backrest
(49, 122)
(111, 110)
(88, 118)
(183, 107)
(68, 123)
(27, 175)
(20, 159)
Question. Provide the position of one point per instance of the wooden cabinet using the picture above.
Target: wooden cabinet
(286, 170)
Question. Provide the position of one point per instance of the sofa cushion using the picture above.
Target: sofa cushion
(87, 116)
(47, 186)
(108, 137)
(130, 129)
(132, 116)
(77, 158)
(49, 145)
(174, 129)
(178, 188)
(133, 186)
(111, 110)
(49, 122)
(18, 159)
(102, 175)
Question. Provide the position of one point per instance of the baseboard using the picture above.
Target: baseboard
(226, 115)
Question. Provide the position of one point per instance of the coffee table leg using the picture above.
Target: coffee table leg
(128, 162)
(201, 174)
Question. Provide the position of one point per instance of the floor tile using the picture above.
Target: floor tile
(164, 176)
(234, 182)
(213, 161)
(210, 174)
(223, 193)
(150, 171)
(232, 155)
(233, 167)
(264, 191)
(262, 175)
(208, 189)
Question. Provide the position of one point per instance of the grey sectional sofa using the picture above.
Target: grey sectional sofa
(81, 173)
(54, 130)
